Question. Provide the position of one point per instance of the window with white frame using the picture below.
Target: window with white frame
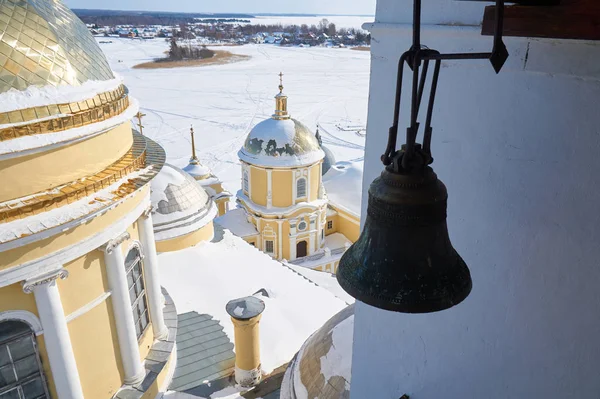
(246, 182)
(137, 290)
(21, 375)
(301, 188)
(330, 225)
(269, 247)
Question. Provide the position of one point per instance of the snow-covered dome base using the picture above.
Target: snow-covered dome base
(321, 369)
(281, 142)
(179, 204)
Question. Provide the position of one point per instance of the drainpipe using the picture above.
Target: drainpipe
(246, 314)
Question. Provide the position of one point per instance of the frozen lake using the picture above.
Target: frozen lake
(327, 86)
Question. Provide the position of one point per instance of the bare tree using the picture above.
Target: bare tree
(331, 30)
(323, 25)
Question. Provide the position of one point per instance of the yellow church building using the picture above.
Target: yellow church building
(284, 209)
(81, 307)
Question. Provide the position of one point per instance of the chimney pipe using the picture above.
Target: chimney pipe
(246, 314)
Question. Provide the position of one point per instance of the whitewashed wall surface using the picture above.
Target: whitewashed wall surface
(520, 155)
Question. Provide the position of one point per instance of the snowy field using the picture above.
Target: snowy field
(326, 86)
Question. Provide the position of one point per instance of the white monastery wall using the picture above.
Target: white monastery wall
(520, 155)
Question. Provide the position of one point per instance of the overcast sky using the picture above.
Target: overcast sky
(353, 7)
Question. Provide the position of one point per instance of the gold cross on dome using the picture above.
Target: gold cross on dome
(139, 117)
(281, 82)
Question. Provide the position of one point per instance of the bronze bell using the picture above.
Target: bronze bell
(403, 261)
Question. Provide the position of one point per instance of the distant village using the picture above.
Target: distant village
(240, 31)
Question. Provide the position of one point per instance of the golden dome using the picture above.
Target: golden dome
(44, 43)
(281, 140)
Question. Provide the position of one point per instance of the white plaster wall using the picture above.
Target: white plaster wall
(520, 155)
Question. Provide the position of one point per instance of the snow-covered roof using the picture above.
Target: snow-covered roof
(36, 96)
(197, 170)
(281, 143)
(71, 213)
(37, 142)
(322, 367)
(324, 280)
(205, 277)
(179, 204)
(237, 222)
(343, 184)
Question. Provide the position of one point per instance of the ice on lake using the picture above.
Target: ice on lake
(326, 86)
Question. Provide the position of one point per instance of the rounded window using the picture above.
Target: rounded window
(302, 225)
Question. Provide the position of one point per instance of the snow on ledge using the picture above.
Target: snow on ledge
(65, 215)
(35, 96)
(38, 142)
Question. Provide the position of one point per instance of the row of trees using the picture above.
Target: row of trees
(179, 52)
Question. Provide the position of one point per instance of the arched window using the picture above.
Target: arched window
(21, 373)
(246, 182)
(301, 187)
(137, 290)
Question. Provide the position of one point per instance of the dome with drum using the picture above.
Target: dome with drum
(281, 141)
(182, 211)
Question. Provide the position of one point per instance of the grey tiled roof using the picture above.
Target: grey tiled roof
(204, 353)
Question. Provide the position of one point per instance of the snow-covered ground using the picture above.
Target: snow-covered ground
(223, 102)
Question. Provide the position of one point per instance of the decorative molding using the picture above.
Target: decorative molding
(115, 242)
(29, 285)
(148, 212)
(87, 307)
(54, 261)
(24, 316)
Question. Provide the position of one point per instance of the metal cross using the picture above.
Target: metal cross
(139, 117)
(281, 82)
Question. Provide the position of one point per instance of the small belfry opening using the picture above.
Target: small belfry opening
(281, 108)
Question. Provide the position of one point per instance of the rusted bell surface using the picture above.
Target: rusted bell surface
(403, 260)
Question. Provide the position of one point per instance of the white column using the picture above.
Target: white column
(280, 241)
(269, 188)
(151, 275)
(117, 280)
(56, 333)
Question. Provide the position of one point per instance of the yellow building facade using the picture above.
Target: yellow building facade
(81, 306)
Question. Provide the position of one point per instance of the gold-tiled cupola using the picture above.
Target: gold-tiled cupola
(44, 43)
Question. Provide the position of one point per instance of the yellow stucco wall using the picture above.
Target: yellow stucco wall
(72, 236)
(97, 352)
(26, 175)
(334, 228)
(87, 281)
(12, 297)
(206, 233)
(282, 188)
(222, 205)
(286, 239)
(46, 366)
(145, 342)
(258, 185)
(315, 181)
(348, 225)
